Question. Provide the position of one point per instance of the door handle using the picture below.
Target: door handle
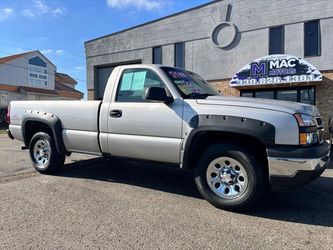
(116, 113)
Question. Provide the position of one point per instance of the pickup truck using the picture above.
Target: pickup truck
(238, 147)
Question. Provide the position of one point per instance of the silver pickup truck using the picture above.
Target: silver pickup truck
(239, 148)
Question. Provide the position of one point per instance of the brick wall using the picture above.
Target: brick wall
(324, 96)
(91, 95)
(223, 87)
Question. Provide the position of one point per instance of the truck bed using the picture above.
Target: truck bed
(79, 121)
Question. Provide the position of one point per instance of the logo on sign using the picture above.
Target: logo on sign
(276, 69)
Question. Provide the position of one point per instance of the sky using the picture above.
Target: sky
(59, 28)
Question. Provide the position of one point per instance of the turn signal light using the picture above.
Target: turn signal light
(308, 138)
(303, 139)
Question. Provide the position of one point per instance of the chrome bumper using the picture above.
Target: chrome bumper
(288, 167)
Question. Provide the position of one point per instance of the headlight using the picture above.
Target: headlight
(305, 120)
(309, 133)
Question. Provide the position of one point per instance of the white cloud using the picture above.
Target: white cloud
(47, 51)
(53, 51)
(6, 13)
(81, 68)
(59, 51)
(28, 13)
(139, 4)
(58, 12)
(39, 7)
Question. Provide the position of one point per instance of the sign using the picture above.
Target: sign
(276, 69)
(133, 80)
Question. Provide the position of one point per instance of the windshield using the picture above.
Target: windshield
(189, 84)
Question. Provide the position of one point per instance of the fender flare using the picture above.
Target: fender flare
(260, 130)
(51, 120)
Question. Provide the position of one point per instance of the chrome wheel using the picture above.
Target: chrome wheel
(41, 153)
(226, 177)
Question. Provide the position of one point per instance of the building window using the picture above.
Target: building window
(307, 96)
(276, 40)
(312, 40)
(157, 55)
(301, 94)
(180, 55)
(37, 61)
(287, 95)
(37, 72)
(267, 94)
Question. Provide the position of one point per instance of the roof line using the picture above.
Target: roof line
(45, 58)
(154, 21)
(75, 90)
(14, 56)
(29, 52)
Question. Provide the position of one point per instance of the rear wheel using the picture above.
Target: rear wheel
(44, 155)
(229, 177)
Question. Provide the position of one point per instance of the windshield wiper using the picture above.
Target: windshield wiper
(198, 95)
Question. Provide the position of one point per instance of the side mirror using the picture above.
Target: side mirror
(158, 94)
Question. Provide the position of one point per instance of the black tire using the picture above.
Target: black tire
(53, 160)
(255, 183)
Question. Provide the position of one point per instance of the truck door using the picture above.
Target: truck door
(140, 128)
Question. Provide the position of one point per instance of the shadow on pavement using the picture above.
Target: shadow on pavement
(158, 177)
(311, 205)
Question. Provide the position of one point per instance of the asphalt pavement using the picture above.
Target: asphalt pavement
(98, 203)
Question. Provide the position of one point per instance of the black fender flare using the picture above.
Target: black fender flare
(51, 120)
(260, 130)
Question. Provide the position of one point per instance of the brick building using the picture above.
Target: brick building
(262, 49)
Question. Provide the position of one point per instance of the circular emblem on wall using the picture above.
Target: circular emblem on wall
(224, 34)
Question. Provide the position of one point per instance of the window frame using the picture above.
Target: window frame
(282, 39)
(161, 55)
(319, 40)
(183, 55)
(39, 71)
(275, 90)
(143, 100)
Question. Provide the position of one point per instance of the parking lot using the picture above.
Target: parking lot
(118, 204)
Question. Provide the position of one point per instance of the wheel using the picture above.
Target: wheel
(44, 155)
(229, 177)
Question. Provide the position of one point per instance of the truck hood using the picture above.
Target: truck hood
(257, 103)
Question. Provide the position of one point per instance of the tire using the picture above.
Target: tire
(230, 178)
(44, 155)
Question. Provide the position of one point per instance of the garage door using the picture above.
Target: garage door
(103, 74)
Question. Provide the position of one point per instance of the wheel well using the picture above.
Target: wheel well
(33, 127)
(203, 140)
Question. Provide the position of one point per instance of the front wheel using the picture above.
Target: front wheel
(44, 155)
(229, 177)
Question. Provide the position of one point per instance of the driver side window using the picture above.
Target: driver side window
(133, 85)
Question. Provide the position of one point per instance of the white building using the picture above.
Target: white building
(31, 76)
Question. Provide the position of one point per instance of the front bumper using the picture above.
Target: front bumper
(291, 167)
